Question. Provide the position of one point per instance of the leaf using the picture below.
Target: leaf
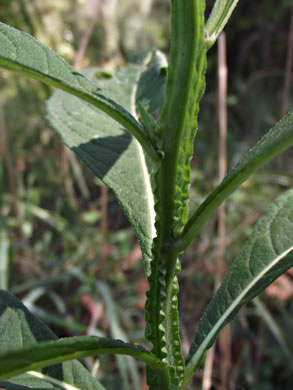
(278, 139)
(265, 257)
(112, 154)
(151, 86)
(31, 379)
(25, 346)
(20, 52)
(218, 18)
(20, 329)
(52, 352)
(148, 121)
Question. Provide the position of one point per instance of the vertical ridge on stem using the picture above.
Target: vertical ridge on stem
(176, 132)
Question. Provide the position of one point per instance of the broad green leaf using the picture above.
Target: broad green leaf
(267, 254)
(52, 352)
(112, 154)
(20, 329)
(21, 53)
(278, 139)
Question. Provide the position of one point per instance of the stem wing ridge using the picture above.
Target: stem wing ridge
(176, 132)
(278, 139)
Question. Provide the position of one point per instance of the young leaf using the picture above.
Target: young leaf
(148, 121)
(20, 329)
(151, 85)
(218, 18)
(265, 257)
(150, 92)
(21, 53)
(278, 139)
(112, 154)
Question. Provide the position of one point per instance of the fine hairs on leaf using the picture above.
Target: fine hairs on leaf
(134, 128)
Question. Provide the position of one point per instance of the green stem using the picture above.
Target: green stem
(177, 127)
(160, 378)
(277, 140)
(184, 87)
(187, 378)
(218, 19)
(178, 119)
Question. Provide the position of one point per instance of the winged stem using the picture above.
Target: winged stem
(175, 133)
(278, 139)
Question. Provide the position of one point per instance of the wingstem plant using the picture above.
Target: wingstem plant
(109, 123)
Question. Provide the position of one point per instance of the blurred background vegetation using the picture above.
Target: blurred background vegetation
(67, 250)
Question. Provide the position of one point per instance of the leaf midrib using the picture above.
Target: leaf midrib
(230, 309)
